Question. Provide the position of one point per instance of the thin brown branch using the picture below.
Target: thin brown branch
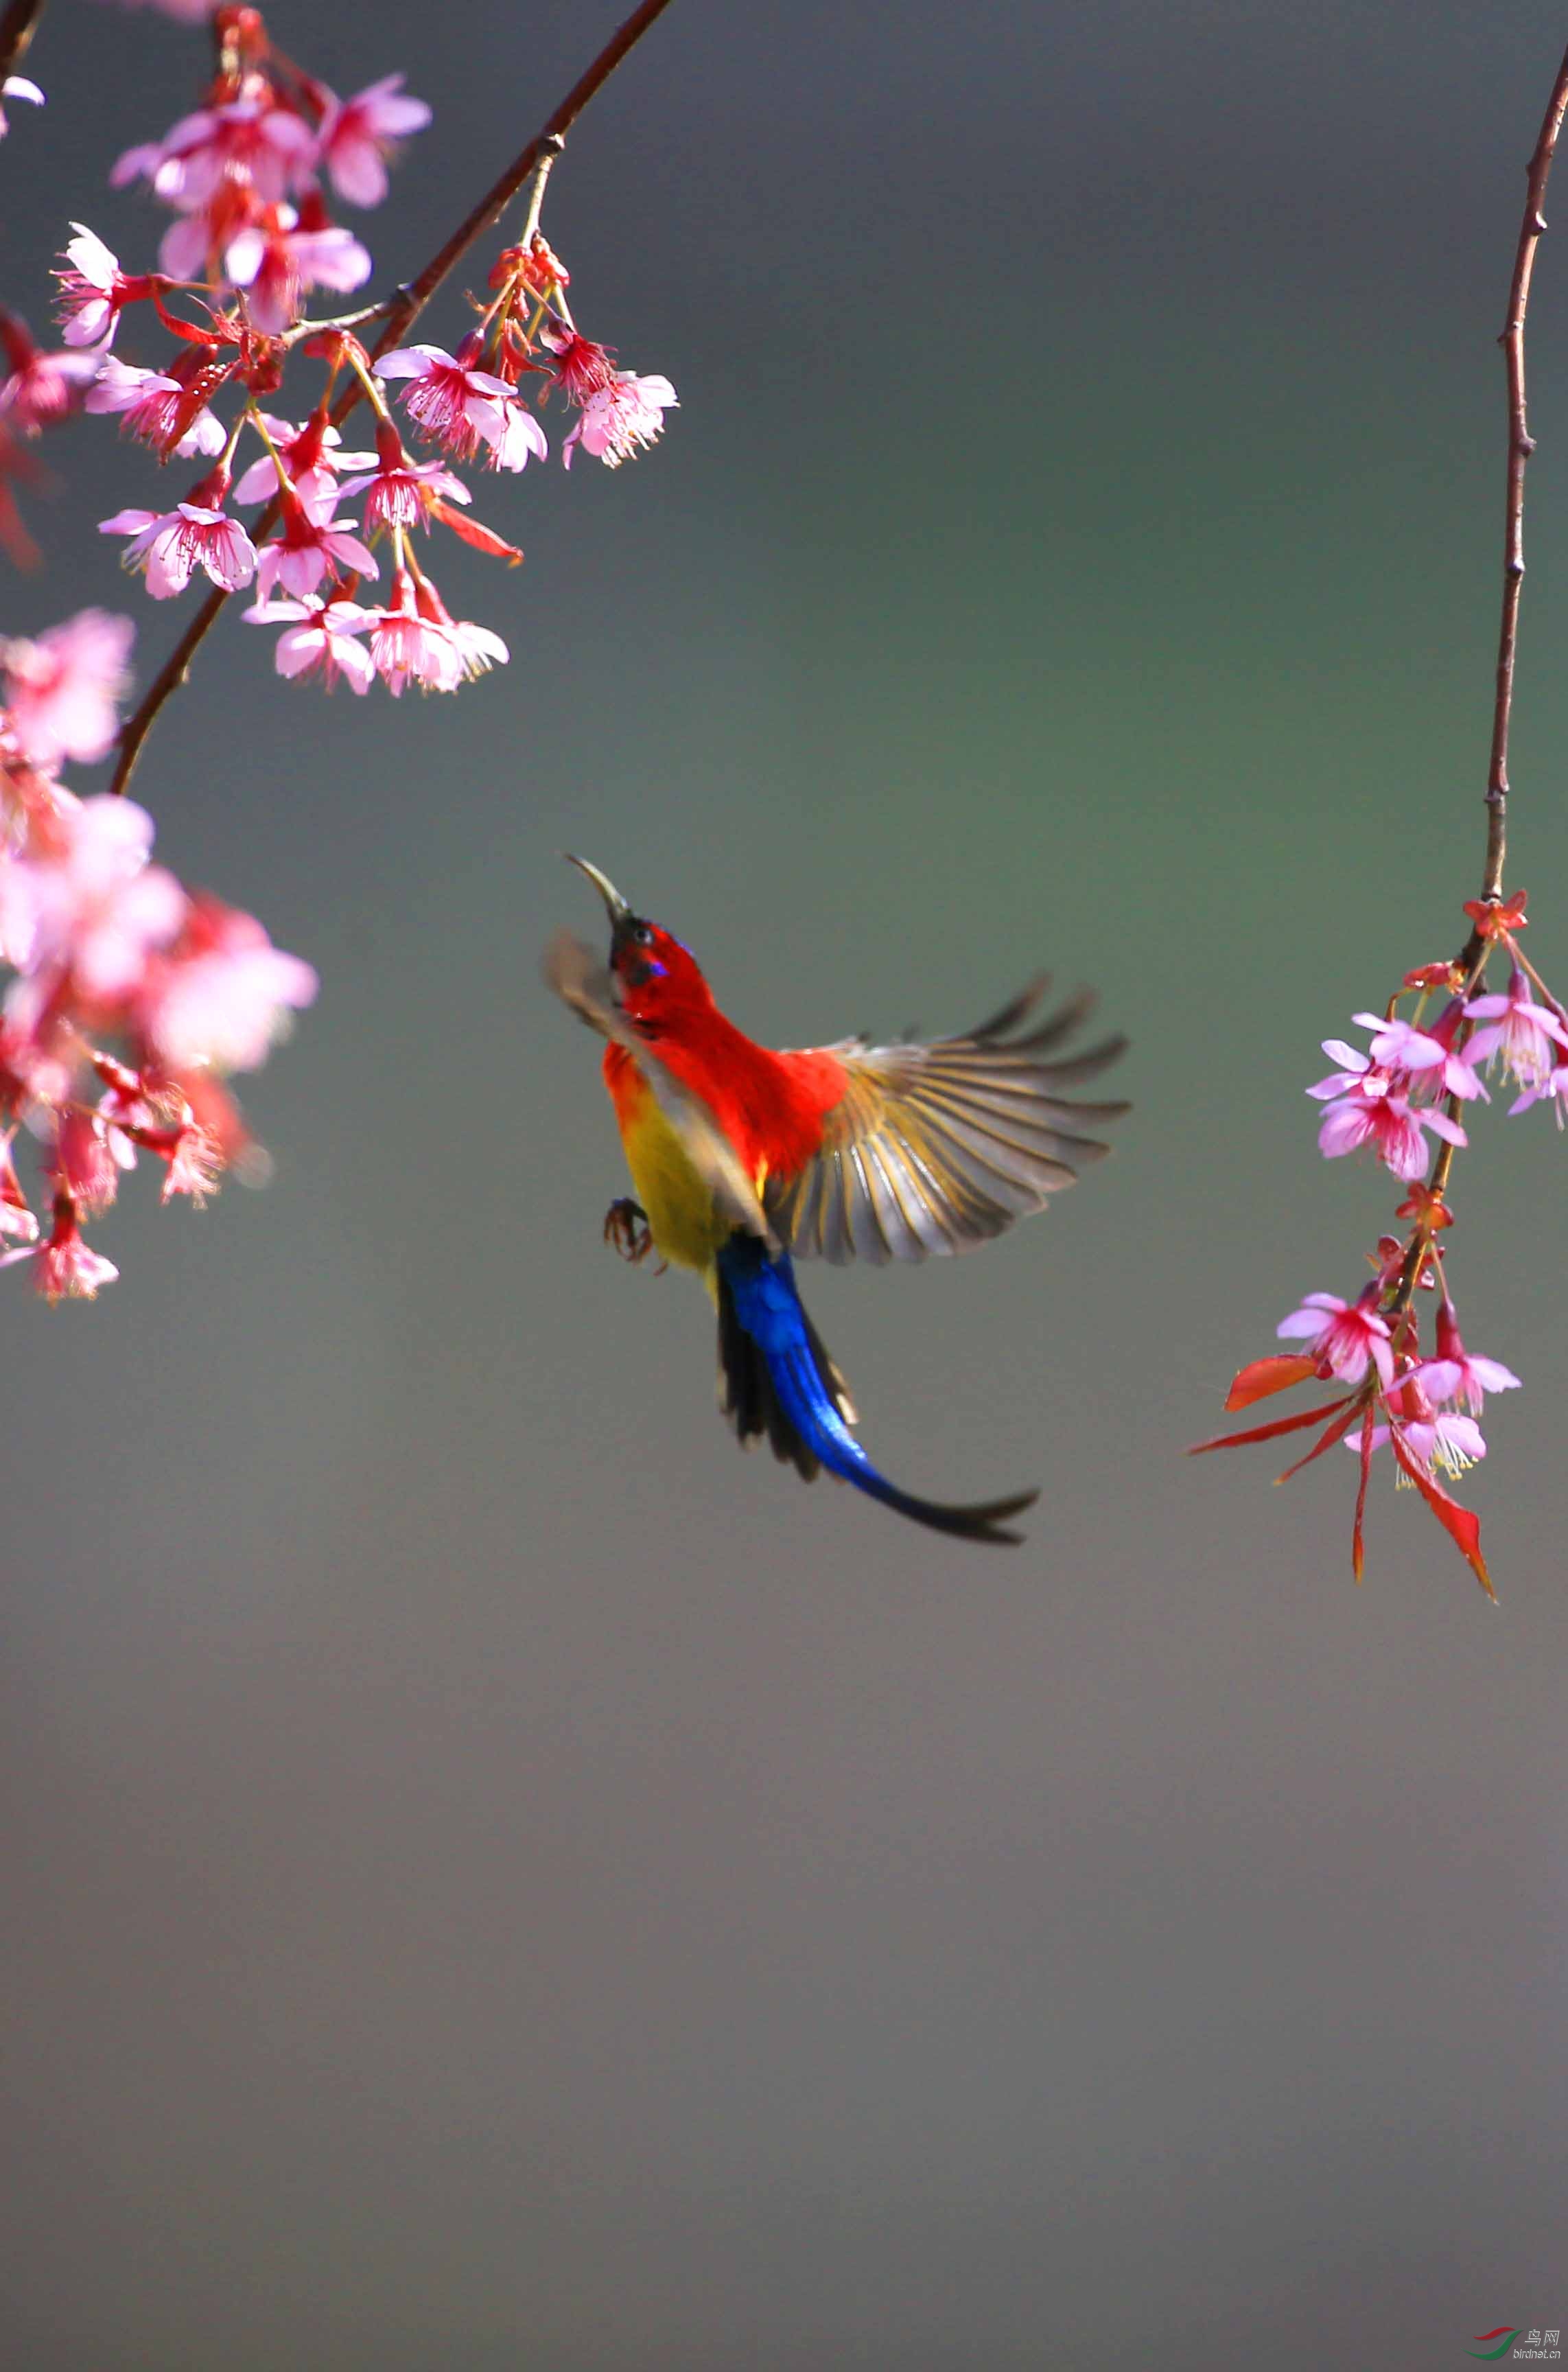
(408, 305)
(356, 321)
(536, 195)
(1521, 444)
(167, 681)
(19, 22)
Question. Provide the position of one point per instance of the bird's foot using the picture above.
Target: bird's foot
(626, 1227)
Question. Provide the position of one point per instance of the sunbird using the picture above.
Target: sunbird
(744, 1159)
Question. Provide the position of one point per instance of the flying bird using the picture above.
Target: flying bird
(744, 1160)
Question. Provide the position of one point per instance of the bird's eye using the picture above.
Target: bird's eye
(641, 935)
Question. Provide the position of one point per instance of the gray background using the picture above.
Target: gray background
(491, 1876)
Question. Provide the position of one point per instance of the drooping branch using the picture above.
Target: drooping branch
(409, 303)
(1471, 962)
(1521, 444)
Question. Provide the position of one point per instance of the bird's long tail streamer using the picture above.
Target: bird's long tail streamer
(801, 1406)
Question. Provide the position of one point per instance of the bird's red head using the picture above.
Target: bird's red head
(657, 979)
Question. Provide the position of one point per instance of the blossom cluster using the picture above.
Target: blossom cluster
(1407, 1088)
(130, 996)
(249, 178)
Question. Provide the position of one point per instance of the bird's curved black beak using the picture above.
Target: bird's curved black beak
(620, 912)
(615, 903)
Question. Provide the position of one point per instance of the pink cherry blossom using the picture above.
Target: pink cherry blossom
(195, 1161)
(153, 1112)
(312, 544)
(478, 648)
(310, 456)
(461, 408)
(99, 909)
(582, 368)
(620, 419)
(193, 1157)
(321, 638)
(1435, 1438)
(1527, 1038)
(18, 86)
(399, 493)
(188, 250)
(223, 995)
(103, 941)
(61, 691)
(93, 290)
(1439, 1439)
(1371, 1114)
(1345, 1336)
(357, 134)
(246, 143)
(1457, 1375)
(1425, 1057)
(154, 406)
(416, 639)
(521, 441)
(215, 1112)
(137, 164)
(114, 944)
(169, 545)
(40, 388)
(65, 1269)
(1373, 1095)
(1553, 1089)
(1358, 1071)
(37, 812)
(128, 1105)
(83, 1163)
(407, 647)
(1404, 1061)
(275, 261)
(38, 1059)
(49, 389)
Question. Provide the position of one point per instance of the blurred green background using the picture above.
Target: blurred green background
(494, 1879)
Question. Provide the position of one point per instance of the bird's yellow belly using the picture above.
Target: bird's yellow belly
(679, 1206)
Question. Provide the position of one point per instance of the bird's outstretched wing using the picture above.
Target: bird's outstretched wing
(583, 981)
(935, 1147)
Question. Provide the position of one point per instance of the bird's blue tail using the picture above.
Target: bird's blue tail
(778, 1379)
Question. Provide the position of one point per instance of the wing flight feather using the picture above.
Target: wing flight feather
(935, 1147)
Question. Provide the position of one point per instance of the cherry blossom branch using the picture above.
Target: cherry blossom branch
(19, 22)
(358, 321)
(552, 149)
(167, 681)
(1413, 1083)
(410, 301)
(1521, 444)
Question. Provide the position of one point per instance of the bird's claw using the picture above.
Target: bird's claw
(626, 1227)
